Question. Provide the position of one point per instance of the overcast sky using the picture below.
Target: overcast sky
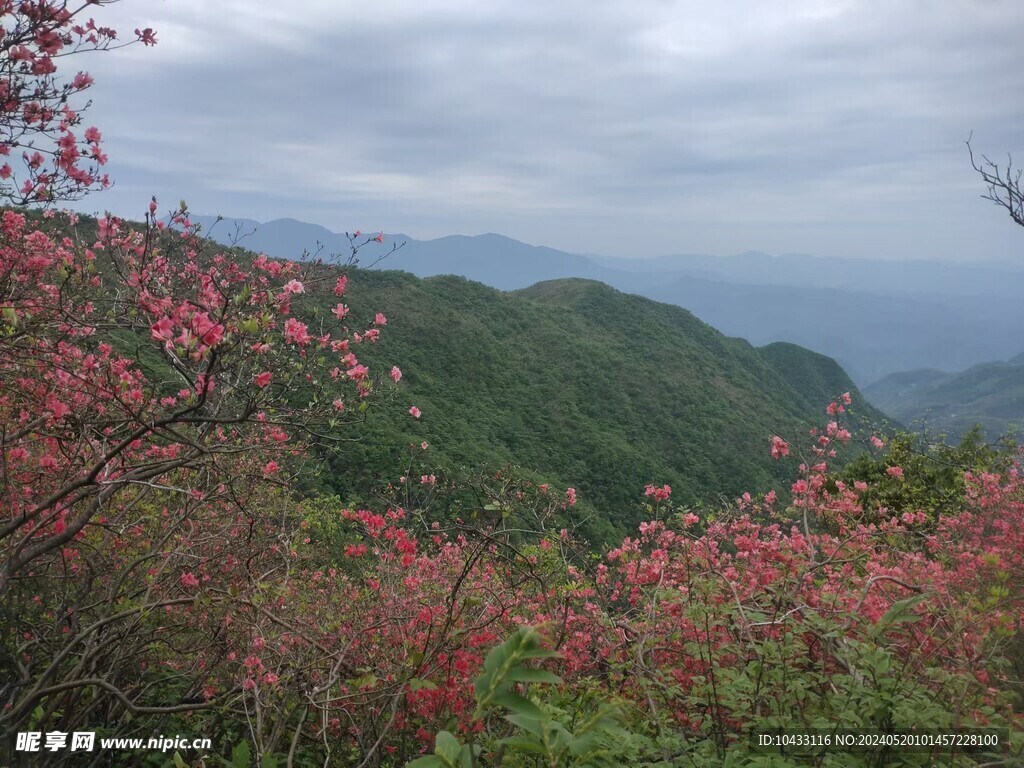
(618, 127)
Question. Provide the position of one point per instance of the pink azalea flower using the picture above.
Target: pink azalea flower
(415, 412)
(396, 374)
(780, 447)
(659, 494)
(295, 332)
(358, 372)
(189, 581)
(162, 329)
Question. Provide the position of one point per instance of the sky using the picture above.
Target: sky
(612, 127)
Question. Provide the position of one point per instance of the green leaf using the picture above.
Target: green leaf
(447, 748)
(518, 705)
(531, 675)
(527, 723)
(524, 744)
(900, 612)
(241, 755)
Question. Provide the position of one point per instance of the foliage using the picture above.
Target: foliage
(582, 385)
(990, 395)
(536, 734)
(915, 475)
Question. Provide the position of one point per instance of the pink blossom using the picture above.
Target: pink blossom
(189, 581)
(415, 412)
(339, 286)
(162, 329)
(146, 36)
(357, 372)
(262, 379)
(294, 286)
(379, 319)
(780, 447)
(877, 442)
(895, 471)
(270, 468)
(295, 332)
(340, 311)
(82, 80)
(570, 496)
(659, 494)
(396, 374)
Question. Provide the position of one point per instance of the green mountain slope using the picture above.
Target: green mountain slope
(585, 385)
(990, 395)
(574, 383)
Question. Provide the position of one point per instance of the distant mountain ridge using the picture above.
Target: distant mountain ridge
(874, 318)
(990, 395)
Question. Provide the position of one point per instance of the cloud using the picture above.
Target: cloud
(611, 127)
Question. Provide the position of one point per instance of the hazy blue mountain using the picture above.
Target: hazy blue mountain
(874, 317)
(990, 394)
(888, 278)
(870, 335)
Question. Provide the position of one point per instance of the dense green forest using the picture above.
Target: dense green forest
(583, 385)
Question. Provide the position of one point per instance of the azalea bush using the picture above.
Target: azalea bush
(825, 614)
(148, 419)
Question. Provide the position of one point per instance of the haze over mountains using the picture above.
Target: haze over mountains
(874, 317)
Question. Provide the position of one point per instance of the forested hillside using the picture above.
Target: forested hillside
(990, 395)
(582, 385)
